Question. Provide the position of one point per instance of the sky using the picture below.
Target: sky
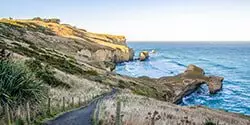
(144, 20)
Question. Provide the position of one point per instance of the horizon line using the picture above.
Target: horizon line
(195, 41)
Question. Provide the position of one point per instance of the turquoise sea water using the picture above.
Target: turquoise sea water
(230, 60)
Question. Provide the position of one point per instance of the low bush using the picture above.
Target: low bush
(52, 20)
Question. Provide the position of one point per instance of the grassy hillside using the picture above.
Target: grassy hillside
(43, 55)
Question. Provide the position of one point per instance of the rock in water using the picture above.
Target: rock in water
(153, 51)
(215, 84)
(143, 55)
(191, 80)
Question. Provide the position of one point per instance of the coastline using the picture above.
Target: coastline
(88, 58)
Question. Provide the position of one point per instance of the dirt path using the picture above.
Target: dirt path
(81, 116)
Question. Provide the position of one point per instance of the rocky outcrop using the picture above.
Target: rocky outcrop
(215, 84)
(192, 69)
(153, 51)
(192, 78)
(105, 65)
(172, 88)
(143, 55)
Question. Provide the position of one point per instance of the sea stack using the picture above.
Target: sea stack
(144, 55)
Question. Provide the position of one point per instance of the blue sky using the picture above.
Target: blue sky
(145, 20)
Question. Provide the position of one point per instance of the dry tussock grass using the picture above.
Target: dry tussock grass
(81, 88)
(140, 110)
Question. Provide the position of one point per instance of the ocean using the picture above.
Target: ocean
(229, 60)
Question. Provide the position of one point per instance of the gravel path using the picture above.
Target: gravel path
(81, 116)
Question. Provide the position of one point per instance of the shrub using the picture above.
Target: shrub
(209, 122)
(18, 85)
(37, 19)
(91, 72)
(52, 20)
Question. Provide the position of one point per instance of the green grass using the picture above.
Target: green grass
(91, 72)
(122, 84)
(209, 123)
(18, 85)
(45, 73)
(54, 60)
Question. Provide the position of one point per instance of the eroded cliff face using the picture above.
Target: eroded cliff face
(71, 41)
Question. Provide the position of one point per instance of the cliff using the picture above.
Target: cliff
(71, 41)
